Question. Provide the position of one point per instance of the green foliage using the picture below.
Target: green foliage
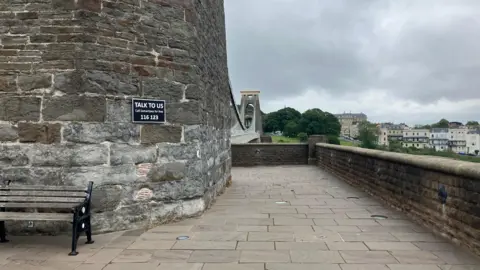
(311, 122)
(302, 136)
(368, 135)
(443, 123)
(291, 129)
(473, 124)
(276, 121)
(476, 152)
(332, 139)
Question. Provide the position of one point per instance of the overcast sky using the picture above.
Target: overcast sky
(412, 61)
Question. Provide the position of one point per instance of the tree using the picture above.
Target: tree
(302, 136)
(332, 139)
(368, 135)
(291, 129)
(443, 123)
(472, 124)
(476, 152)
(276, 121)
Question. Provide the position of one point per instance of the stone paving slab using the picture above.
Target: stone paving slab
(274, 218)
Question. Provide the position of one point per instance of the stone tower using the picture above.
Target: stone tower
(250, 110)
(68, 72)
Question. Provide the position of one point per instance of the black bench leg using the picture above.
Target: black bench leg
(75, 235)
(88, 231)
(2, 233)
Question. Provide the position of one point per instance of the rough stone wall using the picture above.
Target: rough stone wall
(411, 183)
(269, 154)
(68, 71)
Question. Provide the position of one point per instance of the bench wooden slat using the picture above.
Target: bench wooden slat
(59, 205)
(40, 193)
(27, 187)
(35, 216)
(41, 199)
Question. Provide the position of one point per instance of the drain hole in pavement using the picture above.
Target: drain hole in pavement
(280, 202)
(378, 217)
(183, 238)
(353, 197)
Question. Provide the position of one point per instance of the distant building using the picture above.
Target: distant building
(395, 132)
(418, 138)
(439, 139)
(455, 125)
(383, 136)
(350, 122)
(457, 140)
(472, 141)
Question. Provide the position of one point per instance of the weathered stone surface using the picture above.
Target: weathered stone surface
(81, 62)
(8, 84)
(100, 82)
(69, 155)
(132, 154)
(101, 175)
(186, 113)
(159, 134)
(119, 110)
(34, 82)
(14, 155)
(39, 133)
(74, 108)
(166, 172)
(159, 87)
(8, 133)
(20, 108)
(79, 132)
(106, 198)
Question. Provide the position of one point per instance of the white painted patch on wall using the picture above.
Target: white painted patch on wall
(143, 194)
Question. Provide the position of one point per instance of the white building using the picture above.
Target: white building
(457, 139)
(418, 138)
(383, 136)
(439, 139)
(473, 142)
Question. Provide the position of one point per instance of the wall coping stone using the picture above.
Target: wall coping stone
(268, 144)
(446, 165)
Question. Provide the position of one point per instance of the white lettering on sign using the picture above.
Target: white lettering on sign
(149, 105)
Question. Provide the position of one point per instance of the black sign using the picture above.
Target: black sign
(148, 111)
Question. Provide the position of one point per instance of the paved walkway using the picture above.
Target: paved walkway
(319, 226)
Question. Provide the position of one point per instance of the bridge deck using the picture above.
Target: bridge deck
(318, 227)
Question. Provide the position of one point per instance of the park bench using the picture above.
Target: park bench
(32, 203)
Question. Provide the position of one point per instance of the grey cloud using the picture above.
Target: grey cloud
(282, 47)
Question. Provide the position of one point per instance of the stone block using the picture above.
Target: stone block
(102, 175)
(94, 81)
(7, 83)
(194, 92)
(39, 133)
(132, 154)
(74, 108)
(167, 172)
(32, 82)
(160, 88)
(20, 108)
(69, 155)
(119, 110)
(152, 134)
(14, 155)
(78, 132)
(8, 133)
(63, 4)
(33, 175)
(168, 191)
(186, 113)
(106, 198)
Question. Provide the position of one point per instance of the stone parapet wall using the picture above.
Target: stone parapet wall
(411, 183)
(269, 154)
(68, 71)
